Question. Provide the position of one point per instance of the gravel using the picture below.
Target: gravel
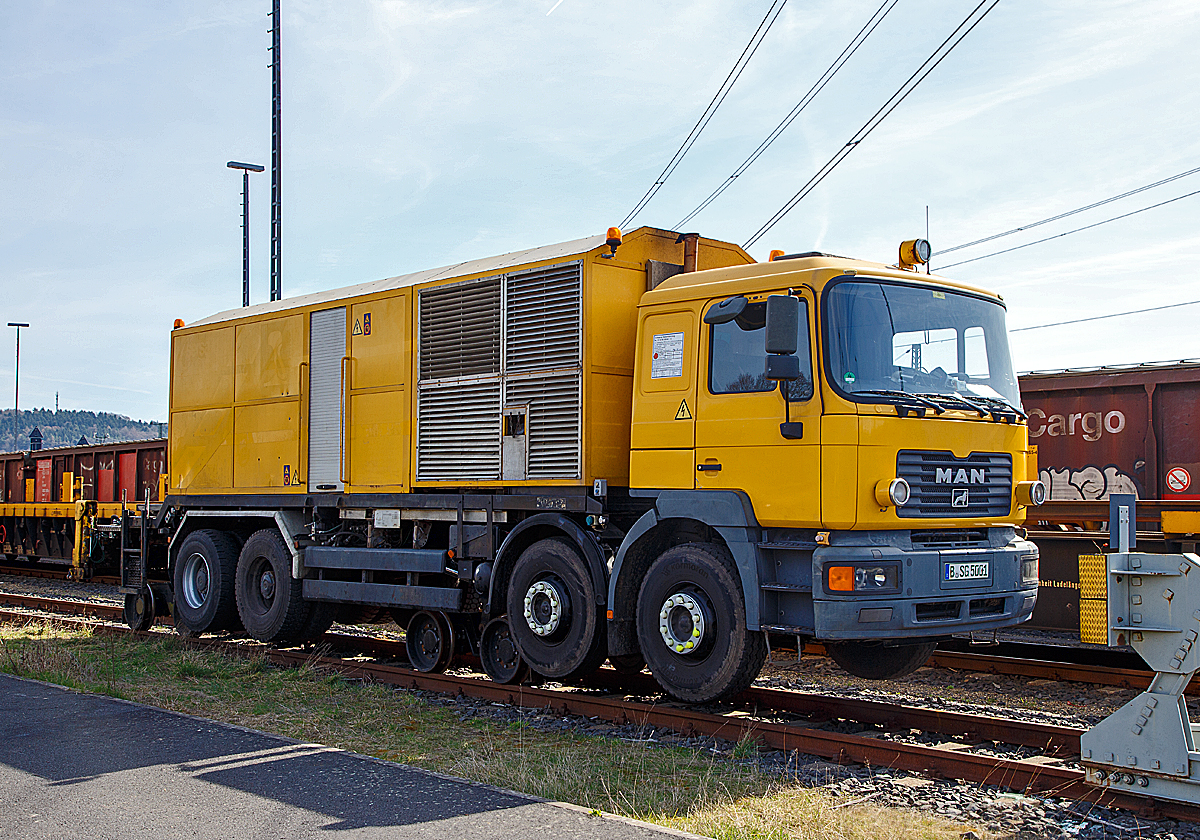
(1004, 814)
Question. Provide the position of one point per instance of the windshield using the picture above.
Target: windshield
(891, 339)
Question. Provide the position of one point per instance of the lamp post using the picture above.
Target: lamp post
(246, 168)
(16, 381)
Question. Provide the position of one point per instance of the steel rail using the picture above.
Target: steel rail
(1040, 776)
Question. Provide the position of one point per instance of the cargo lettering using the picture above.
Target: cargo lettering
(1091, 425)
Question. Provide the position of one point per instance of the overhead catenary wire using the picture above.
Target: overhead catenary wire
(824, 79)
(1069, 232)
(930, 64)
(1110, 315)
(1091, 206)
(735, 73)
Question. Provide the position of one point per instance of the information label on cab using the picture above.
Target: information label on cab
(966, 571)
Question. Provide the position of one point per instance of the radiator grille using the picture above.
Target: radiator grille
(460, 329)
(939, 480)
(458, 431)
(463, 385)
(542, 313)
(554, 432)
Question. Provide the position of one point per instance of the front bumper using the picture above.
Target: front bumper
(926, 605)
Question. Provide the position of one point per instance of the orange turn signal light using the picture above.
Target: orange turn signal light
(614, 237)
(774, 256)
(841, 578)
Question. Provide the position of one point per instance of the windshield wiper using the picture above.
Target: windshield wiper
(1008, 408)
(961, 400)
(905, 395)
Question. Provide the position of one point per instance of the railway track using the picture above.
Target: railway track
(774, 718)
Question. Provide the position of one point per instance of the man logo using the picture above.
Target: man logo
(950, 476)
(959, 497)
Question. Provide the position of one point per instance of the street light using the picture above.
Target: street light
(16, 381)
(246, 168)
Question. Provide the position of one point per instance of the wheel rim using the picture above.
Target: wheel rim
(426, 642)
(685, 622)
(262, 586)
(547, 607)
(195, 579)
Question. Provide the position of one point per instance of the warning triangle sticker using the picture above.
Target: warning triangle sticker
(357, 327)
(683, 413)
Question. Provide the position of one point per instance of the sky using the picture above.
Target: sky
(418, 134)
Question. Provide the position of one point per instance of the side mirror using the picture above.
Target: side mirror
(783, 322)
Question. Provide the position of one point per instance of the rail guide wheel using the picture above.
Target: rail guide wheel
(141, 609)
(429, 640)
(499, 655)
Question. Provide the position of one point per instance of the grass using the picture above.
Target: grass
(670, 786)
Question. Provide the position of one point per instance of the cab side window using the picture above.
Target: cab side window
(737, 355)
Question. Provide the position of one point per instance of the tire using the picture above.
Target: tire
(320, 618)
(499, 655)
(429, 640)
(724, 656)
(203, 579)
(627, 664)
(140, 610)
(879, 660)
(269, 600)
(562, 637)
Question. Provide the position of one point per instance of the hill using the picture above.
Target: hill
(65, 428)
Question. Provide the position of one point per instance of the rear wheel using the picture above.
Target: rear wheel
(204, 575)
(880, 660)
(691, 624)
(140, 609)
(269, 600)
(499, 655)
(429, 640)
(555, 620)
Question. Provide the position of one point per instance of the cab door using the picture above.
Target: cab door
(739, 441)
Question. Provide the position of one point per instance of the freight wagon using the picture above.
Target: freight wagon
(1121, 429)
(648, 448)
(59, 504)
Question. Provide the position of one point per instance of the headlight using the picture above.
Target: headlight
(1029, 568)
(873, 577)
(894, 491)
(1030, 493)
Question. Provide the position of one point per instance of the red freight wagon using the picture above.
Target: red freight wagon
(1130, 429)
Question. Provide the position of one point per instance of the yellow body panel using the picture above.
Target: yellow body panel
(202, 369)
(266, 445)
(668, 469)
(666, 402)
(379, 441)
(268, 356)
(201, 450)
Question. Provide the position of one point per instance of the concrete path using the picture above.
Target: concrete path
(82, 766)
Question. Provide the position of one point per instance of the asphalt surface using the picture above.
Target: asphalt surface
(82, 766)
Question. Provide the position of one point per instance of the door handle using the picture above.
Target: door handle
(708, 468)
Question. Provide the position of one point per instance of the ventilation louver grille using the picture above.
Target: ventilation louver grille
(461, 377)
(458, 431)
(553, 422)
(460, 330)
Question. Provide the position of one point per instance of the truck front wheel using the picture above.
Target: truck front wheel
(880, 660)
(691, 624)
(553, 615)
(269, 599)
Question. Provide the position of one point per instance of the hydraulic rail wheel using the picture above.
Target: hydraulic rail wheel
(269, 600)
(321, 615)
(629, 663)
(555, 620)
(429, 640)
(691, 624)
(501, 659)
(880, 660)
(204, 575)
(140, 610)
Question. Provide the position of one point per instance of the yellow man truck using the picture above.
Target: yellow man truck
(647, 448)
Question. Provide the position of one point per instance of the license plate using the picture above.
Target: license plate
(966, 571)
